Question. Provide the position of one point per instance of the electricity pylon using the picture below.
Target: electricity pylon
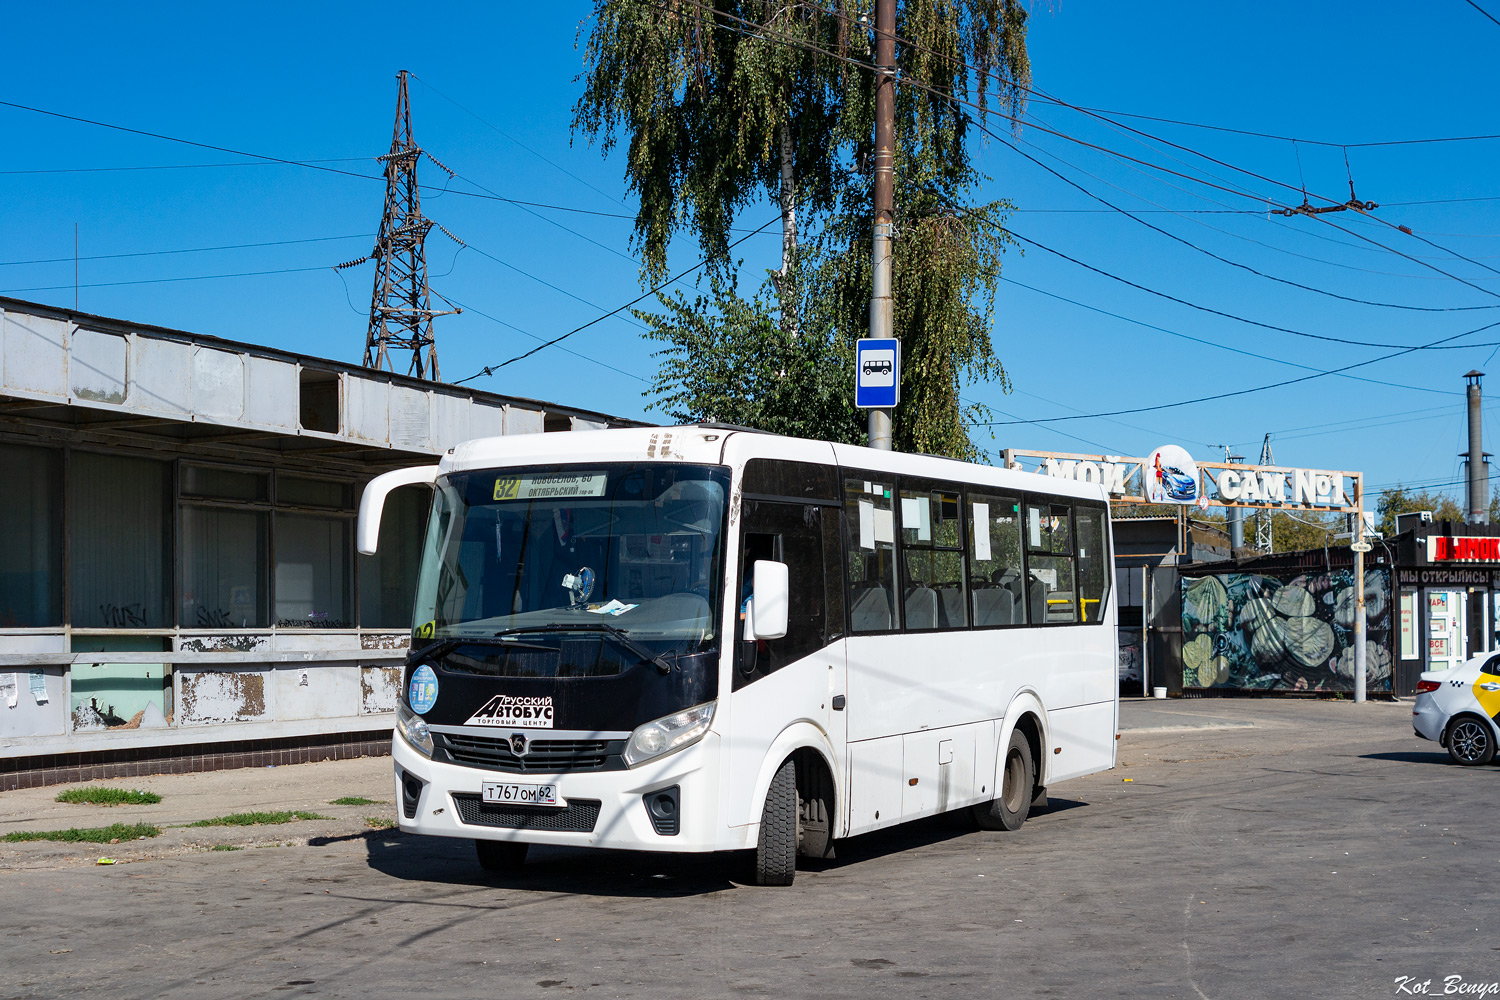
(1263, 517)
(400, 304)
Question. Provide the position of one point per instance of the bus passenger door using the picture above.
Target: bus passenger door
(779, 682)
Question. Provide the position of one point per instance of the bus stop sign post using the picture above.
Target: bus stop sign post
(877, 373)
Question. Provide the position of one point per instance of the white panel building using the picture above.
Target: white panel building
(179, 588)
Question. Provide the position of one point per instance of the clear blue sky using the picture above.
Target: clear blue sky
(318, 82)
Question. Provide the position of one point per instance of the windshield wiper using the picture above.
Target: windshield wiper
(440, 646)
(612, 630)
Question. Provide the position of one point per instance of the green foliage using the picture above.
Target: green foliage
(729, 360)
(258, 818)
(100, 795)
(92, 835)
(227, 847)
(354, 800)
(1400, 500)
(380, 822)
(719, 115)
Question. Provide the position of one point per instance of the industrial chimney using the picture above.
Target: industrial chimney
(1479, 499)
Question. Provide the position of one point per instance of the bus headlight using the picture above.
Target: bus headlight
(413, 728)
(667, 734)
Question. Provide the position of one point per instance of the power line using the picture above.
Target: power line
(763, 32)
(1243, 392)
(1481, 10)
(528, 333)
(491, 369)
(1209, 253)
(1202, 308)
(1272, 135)
(175, 166)
(1237, 350)
(159, 253)
(495, 128)
(157, 281)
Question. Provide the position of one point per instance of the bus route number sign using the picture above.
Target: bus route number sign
(877, 373)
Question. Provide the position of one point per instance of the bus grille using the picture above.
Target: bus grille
(578, 816)
(542, 756)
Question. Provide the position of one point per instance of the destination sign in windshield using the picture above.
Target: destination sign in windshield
(553, 486)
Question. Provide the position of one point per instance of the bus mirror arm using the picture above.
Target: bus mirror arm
(372, 502)
(768, 609)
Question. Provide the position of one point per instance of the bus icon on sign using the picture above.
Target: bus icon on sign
(877, 372)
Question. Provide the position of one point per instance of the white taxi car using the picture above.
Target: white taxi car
(1460, 709)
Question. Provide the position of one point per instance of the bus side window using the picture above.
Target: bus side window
(870, 563)
(932, 560)
(1093, 562)
(1049, 562)
(996, 574)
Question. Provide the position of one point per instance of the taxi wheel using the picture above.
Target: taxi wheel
(500, 855)
(1470, 742)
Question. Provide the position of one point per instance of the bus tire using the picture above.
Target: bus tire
(1009, 809)
(500, 855)
(776, 845)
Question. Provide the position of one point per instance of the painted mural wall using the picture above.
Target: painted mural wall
(1250, 631)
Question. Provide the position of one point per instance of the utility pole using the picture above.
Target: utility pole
(400, 304)
(882, 311)
(1359, 546)
(1479, 501)
(1263, 517)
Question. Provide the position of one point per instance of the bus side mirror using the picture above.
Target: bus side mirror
(768, 607)
(372, 502)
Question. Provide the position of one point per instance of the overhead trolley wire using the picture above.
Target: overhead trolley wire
(1237, 350)
(1242, 392)
(763, 32)
(1209, 309)
(1209, 253)
(491, 369)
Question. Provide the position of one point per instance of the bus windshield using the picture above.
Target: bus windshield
(634, 546)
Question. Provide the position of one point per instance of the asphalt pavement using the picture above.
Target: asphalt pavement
(1243, 848)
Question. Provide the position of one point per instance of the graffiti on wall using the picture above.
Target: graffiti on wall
(1249, 631)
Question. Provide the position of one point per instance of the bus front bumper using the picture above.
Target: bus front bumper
(447, 803)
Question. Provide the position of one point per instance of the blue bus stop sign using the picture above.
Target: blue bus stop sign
(877, 373)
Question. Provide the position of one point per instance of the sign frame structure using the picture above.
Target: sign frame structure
(875, 360)
(1107, 471)
(1115, 472)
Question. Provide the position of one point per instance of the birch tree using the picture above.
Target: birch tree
(723, 106)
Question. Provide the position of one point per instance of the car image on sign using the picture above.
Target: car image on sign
(877, 368)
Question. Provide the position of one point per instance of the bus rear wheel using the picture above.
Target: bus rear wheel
(1009, 809)
(500, 855)
(776, 846)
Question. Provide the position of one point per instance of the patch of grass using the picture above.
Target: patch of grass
(354, 800)
(380, 822)
(227, 847)
(98, 795)
(94, 835)
(258, 818)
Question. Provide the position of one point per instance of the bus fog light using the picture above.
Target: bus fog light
(413, 729)
(672, 732)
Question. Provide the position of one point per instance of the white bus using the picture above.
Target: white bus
(704, 638)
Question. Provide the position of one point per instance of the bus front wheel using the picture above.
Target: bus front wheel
(1009, 809)
(776, 846)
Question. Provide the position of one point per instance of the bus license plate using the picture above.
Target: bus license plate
(505, 793)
